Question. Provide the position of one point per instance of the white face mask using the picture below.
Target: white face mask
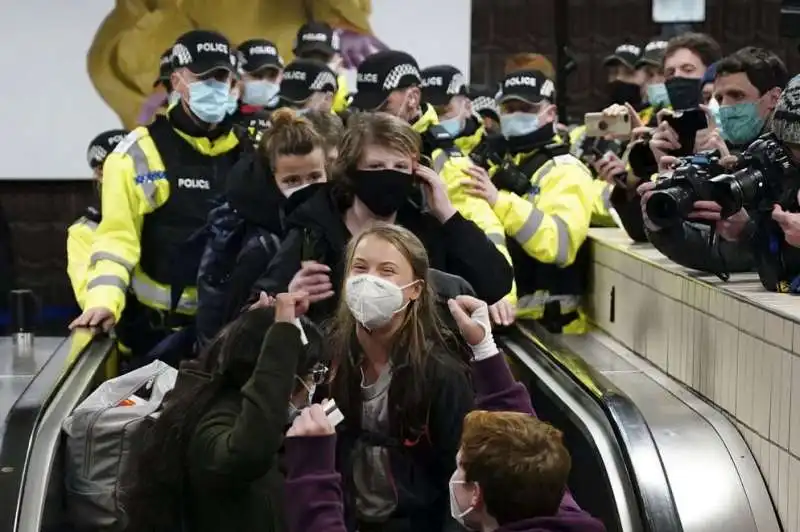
(374, 301)
(458, 514)
(289, 191)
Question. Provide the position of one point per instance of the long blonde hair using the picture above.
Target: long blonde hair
(419, 340)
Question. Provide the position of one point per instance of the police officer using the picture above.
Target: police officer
(651, 66)
(158, 187)
(319, 42)
(443, 86)
(260, 69)
(485, 107)
(542, 196)
(389, 81)
(308, 85)
(80, 235)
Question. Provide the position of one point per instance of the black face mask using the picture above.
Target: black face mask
(684, 93)
(382, 191)
(621, 92)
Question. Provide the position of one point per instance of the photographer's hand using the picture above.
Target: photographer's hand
(790, 225)
(610, 167)
(480, 184)
(729, 229)
(645, 190)
(664, 140)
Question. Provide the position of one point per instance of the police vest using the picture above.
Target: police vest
(172, 240)
(531, 275)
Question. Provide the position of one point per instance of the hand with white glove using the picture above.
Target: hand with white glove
(472, 318)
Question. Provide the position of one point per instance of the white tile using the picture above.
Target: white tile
(675, 345)
(796, 339)
(731, 309)
(762, 359)
(792, 523)
(744, 393)
(773, 458)
(756, 321)
(781, 398)
(794, 405)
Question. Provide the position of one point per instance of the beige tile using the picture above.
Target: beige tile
(792, 523)
(781, 397)
(794, 412)
(783, 486)
(731, 309)
(756, 321)
(796, 339)
(775, 331)
(732, 366)
(675, 346)
(771, 460)
(762, 360)
(744, 379)
(702, 355)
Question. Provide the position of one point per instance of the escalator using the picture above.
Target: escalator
(629, 444)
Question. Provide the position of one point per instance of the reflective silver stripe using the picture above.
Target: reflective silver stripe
(606, 195)
(142, 168)
(533, 301)
(91, 224)
(439, 161)
(563, 240)
(97, 256)
(107, 280)
(160, 296)
(498, 239)
(530, 226)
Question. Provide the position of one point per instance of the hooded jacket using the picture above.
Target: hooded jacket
(316, 231)
(311, 473)
(244, 236)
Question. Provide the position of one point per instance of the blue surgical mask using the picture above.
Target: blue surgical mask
(259, 92)
(210, 100)
(174, 97)
(453, 126)
(740, 122)
(657, 95)
(233, 102)
(518, 124)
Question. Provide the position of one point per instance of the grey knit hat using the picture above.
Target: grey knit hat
(786, 119)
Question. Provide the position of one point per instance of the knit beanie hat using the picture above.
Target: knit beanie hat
(786, 119)
(709, 75)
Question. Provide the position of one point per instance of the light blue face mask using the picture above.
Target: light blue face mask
(453, 126)
(259, 92)
(233, 102)
(518, 124)
(740, 122)
(657, 95)
(210, 100)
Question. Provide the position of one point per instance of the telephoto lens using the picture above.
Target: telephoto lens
(738, 190)
(668, 207)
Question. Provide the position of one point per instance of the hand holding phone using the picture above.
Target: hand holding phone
(604, 124)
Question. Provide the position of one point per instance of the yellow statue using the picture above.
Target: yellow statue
(123, 58)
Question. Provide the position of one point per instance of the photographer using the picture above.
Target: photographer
(686, 59)
(747, 86)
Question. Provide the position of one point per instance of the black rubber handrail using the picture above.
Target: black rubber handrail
(656, 502)
(23, 420)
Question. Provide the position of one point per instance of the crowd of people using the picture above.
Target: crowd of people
(297, 250)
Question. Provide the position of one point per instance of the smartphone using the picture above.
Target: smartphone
(686, 124)
(600, 125)
(308, 250)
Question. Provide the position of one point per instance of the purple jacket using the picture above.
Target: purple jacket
(314, 490)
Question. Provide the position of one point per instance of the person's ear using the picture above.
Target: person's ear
(773, 96)
(416, 290)
(414, 96)
(551, 113)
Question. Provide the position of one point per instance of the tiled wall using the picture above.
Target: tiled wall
(730, 349)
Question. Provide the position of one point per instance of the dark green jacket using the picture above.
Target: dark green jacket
(233, 456)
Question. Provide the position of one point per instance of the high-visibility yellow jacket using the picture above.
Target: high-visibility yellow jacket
(550, 225)
(135, 185)
(450, 165)
(472, 135)
(80, 238)
(340, 102)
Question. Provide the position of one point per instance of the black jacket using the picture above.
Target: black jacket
(316, 231)
(689, 245)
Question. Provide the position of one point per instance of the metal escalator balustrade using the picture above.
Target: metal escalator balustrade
(45, 389)
(616, 427)
(712, 476)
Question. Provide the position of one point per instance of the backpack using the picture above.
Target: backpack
(98, 435)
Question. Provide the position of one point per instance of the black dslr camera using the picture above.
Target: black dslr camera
(510, 177)
(766, 177)
(674, 196)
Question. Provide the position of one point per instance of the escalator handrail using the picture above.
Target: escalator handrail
(74, 388)
(637, 444)
(24, 417)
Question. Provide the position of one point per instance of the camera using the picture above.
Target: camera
(674, 196)
(767, 176)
